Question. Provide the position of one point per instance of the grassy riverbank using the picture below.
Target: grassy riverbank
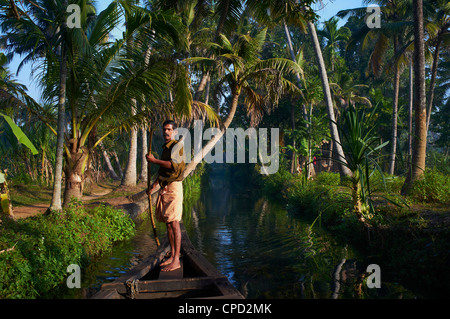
(409, 242)
(36, 251)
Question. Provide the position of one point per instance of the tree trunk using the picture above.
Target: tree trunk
(208, 147)
(219, 29)
(297, 76)
(208, 88)
(118, 164)
(56, 196)
(394, 113)
(344, 171)
(130, 176)
(74, 172)
(430, 96)
(201, 86)
(74, 188)
(410, 112)
(330, 157)
(311, 172)
(143, 176)
(420, 133)
(149, 177)
(111, 170)
(293, 153)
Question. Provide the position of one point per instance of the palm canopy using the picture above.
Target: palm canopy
(105, 77)
(240, 70)
(397, 25)
(118, 83)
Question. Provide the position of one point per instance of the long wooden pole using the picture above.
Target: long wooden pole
(149, 182)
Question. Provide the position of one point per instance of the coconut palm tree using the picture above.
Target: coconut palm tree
(420, 133)
(300, 14)
(334, 37)
(38, 29)
(436, 23)
(328, 100)
(225, 13)
(101, 81)
(243, 73)
(346, 91)
(396, 27)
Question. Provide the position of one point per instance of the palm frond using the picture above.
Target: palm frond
(378, 52)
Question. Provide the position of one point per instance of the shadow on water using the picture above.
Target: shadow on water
(264, 250)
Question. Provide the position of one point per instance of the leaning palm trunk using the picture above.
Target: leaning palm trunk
(56, 197)
(209, 146)
(205, 150)
(328, 101)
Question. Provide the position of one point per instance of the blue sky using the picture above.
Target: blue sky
(328, 9)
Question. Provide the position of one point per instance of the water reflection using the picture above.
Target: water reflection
(264, 250)
(269, 253)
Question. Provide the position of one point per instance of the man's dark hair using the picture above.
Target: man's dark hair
(174, 125)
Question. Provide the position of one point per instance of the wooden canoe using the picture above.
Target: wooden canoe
(197, 278)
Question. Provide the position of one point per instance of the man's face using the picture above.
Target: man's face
(168, 132)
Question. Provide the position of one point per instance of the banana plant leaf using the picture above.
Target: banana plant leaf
(21, 137)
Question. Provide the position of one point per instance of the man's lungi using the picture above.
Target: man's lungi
(169, 205)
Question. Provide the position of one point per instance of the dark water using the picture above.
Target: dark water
(265, 251)
(123, 256)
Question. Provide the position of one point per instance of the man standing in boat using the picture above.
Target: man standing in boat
(169, 205)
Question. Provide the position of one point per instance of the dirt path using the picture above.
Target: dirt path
(32, 210)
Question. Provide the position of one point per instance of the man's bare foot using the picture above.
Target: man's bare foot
(173, 266)
(167, 262)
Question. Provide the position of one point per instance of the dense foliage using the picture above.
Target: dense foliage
(44, 246)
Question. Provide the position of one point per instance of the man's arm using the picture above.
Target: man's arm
(152, 159)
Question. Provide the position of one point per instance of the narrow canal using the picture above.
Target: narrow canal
(264, 250)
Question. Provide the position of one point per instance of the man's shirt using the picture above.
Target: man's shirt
(173, 152)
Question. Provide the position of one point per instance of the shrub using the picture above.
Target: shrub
(328, 178)
(434, 187)
(312, 199)
(393, 183)
(275, 184)
(45, 245)
(307, 197)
